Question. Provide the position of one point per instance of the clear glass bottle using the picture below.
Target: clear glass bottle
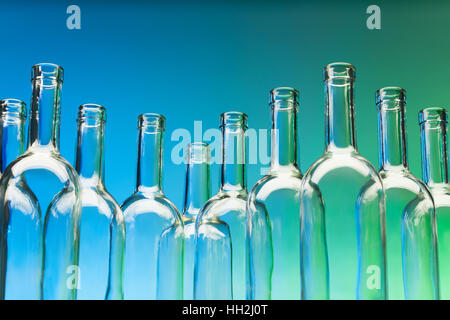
(102, 227)
(154, 228)
(433, 130)
(220, 269)
(273, 209)
(39, 239)
(411, 256)
(13, 115)
(342, 207)
(197, 192)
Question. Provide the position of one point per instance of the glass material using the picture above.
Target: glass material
(220, 269)
(154, 228)
(273, 209)
(433, 129)
(197, 192)
(13, 114)
(411, 256)
(342, 207)
(39, 205)
(102, 227)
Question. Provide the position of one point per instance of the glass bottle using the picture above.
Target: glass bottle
(197, 192)
(273, 209)
(154, 229)
(411, 259)
(102, 228)
(220, 270)
(433, 130)
(342, 207)
(13, 115)
(39, 239)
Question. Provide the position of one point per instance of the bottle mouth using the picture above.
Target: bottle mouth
(339, 70)
(47, 71)
(390, 94)
(152, 120)
(198, 152)
(283, 98)
(91, 112)
(13, 108)
(233, 118)
(433, 114)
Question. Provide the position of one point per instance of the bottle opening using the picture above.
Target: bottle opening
(198, 152)
(233, 118)
(390, 97)
(339, 70)
(13, 108)
(283, 98)
(433, 114)
(91, 112)
(152, 121)
(47, 71)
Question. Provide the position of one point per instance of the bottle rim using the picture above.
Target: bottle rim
(233, 118)
(339, 70)
(198, 152)
(283, 98)
(394, 94)
(153, 120)
(91, 111)
(48, 71)
(433, 114)
(13, 107)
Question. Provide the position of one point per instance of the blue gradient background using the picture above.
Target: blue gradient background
(194, 60)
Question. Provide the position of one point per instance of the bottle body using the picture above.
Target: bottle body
(220, 257)
(154, 229)
(40, 205)
(273, 209)
(342, 208)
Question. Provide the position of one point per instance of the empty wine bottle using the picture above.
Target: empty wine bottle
(197, 192)
(221, 223)
(433, 130)
(13, 114)
(154, 227)
(38, 257)
(410, 219)
(342, 207)
(273, 209)
(102, 227)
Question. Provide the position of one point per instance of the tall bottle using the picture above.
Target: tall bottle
(273, 209)
(197, 192)
(102, 227)
(154, 228)
(433, 130)
(220, 268)
(39, 205)
(13, 115)
(411, 254)
(342, 207)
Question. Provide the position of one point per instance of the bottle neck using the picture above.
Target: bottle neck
(284, 138)
(149, 159)
(233, 158)
(198, 189)
(392, 132)
(89, 160)
(434, 152)
(12, 142)
(45, 114)
(340, 124)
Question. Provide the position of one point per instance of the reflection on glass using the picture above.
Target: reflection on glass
(342, 207)
(154, 228)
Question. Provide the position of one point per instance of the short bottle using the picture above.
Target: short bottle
(154, 228)
(197, 192)
(411, 254)
(102, 227)
(220, 268)
(39, 239)
(433, 131)
(342, 207)
(273, 209)
(13, 114)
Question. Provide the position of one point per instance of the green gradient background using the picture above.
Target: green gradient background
(194, 60)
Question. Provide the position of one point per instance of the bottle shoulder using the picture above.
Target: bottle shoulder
(403, 180)
(271, 183)
(221, 205)
(101, 199)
